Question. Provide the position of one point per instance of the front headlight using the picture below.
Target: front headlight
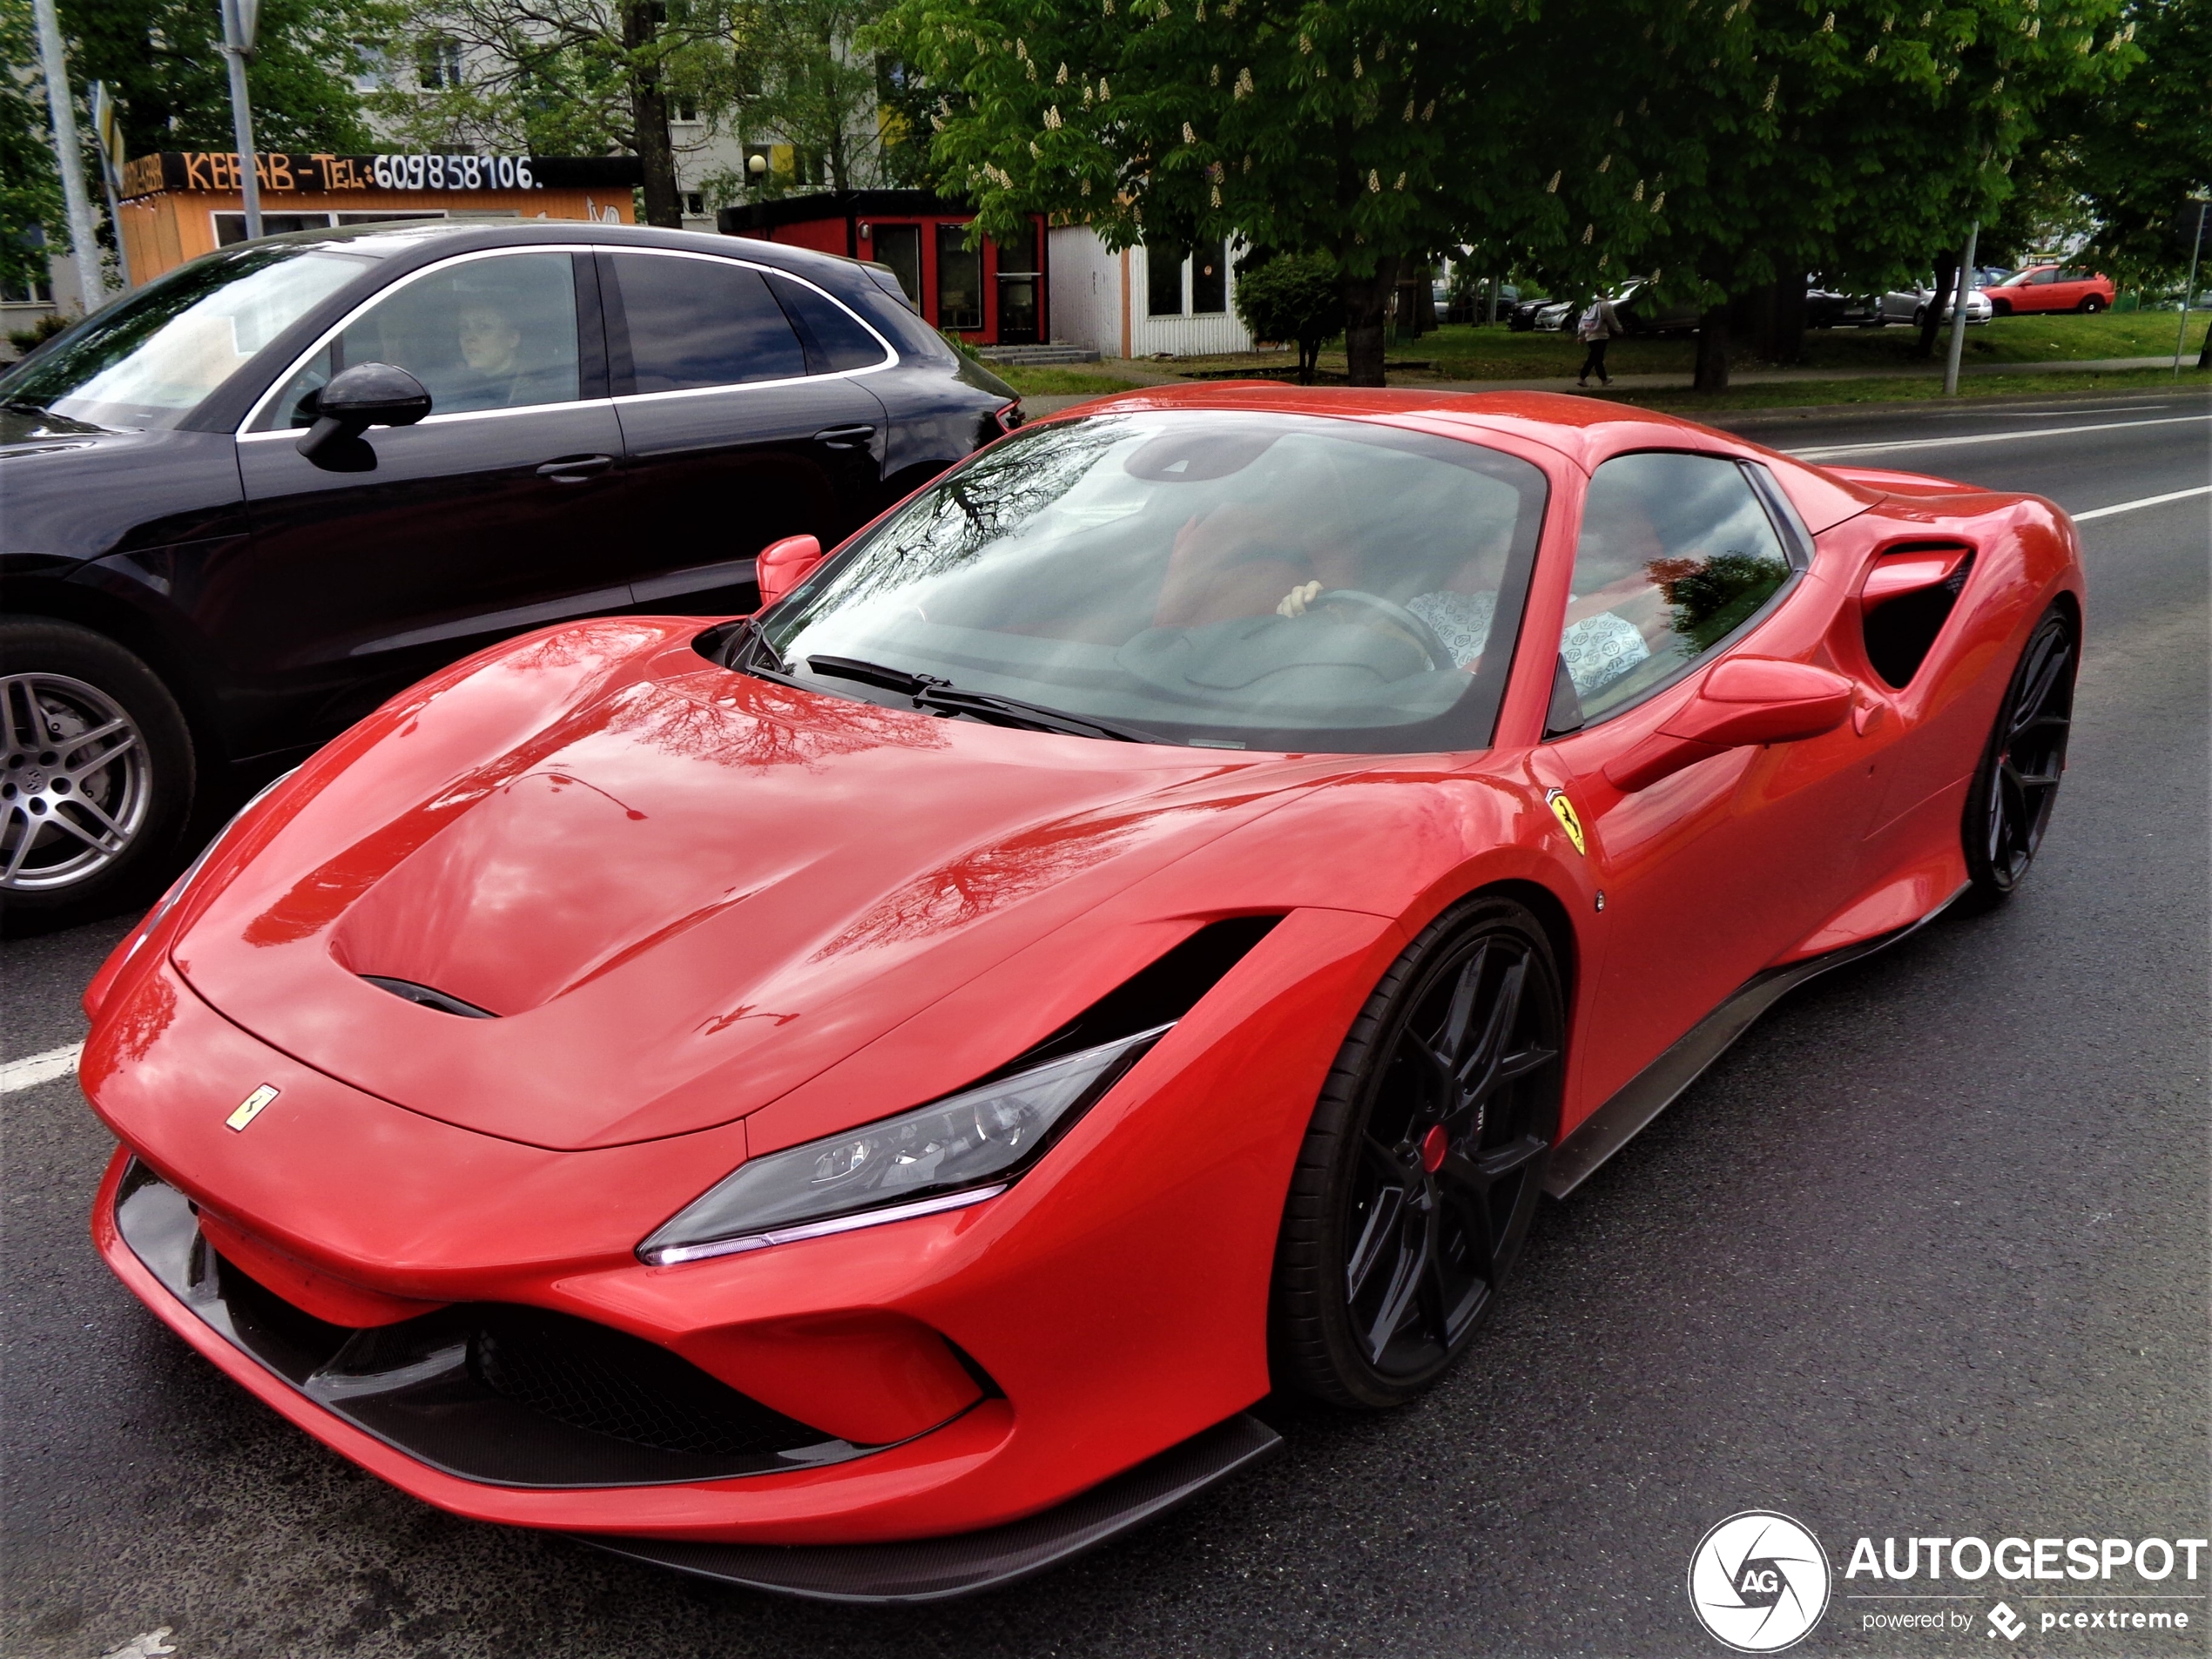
(956, 1151)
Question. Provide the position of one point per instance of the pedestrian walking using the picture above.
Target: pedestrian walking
(1598, 327)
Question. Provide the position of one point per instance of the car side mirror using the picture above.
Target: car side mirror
(358, 398)
(783, 565)
(1744, 701)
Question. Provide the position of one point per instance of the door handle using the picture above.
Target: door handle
(574, 469)
(845, 437)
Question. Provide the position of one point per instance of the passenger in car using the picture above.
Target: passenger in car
(495, 376)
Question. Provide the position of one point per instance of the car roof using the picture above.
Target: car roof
(1583, 429)
(428, 239)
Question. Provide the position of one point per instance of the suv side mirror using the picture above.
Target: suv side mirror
(783, 565)
(1744, 701)
(358, 398)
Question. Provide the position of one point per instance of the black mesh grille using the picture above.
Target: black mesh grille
(592, 1378)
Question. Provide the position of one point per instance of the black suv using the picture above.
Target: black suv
(243, 506)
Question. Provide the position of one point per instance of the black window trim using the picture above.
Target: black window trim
(618, 359)
(245, 431)
(1796, 547)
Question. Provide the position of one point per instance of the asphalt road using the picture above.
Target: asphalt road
(1925, 1254)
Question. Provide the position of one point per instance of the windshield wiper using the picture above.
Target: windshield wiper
(929, 692)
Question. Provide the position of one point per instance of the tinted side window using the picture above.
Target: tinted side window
(1676, 553)
(479, 334)
(702, 322)
(833, 340)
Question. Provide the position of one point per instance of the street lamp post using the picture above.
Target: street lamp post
(241, 18)
(1958, 290)
(2196, 248)
(69, 157)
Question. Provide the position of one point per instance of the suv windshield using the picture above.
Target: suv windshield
(150, 360)
(1229, 579)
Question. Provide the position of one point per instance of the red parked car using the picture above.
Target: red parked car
(862, 1100)
(2051, 287)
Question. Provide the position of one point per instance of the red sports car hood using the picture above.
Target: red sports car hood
(681, 891)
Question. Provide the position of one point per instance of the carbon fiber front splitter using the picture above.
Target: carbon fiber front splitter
(935, 1569)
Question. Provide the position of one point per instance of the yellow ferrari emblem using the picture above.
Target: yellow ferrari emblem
(1563, 810)
(250, 1108)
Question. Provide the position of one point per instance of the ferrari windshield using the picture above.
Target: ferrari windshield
(1223, 579)
(148, 360)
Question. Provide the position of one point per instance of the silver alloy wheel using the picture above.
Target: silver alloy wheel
(75, 781)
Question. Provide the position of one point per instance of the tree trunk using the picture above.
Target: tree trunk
(1367, 311)
(1712, 350)
(1423, 300)
(1751, 317)
(1931, 323)
(1789, 319)
(648, 115)
(1309, 353)
(2204, 354)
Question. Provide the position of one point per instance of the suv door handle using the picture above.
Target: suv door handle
(574, 469)
(845, 437)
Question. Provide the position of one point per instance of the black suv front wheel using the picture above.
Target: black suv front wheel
(96, 775)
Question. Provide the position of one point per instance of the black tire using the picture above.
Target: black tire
(88, 823)
(1423, 1162)
(1920, 317)
(2091, 305)
(2000, 308)
(2016, 785)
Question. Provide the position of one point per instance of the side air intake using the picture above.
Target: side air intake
(1153, 996)
(1900, 631)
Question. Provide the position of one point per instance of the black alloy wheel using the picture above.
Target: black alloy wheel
(2017, 784)
(96, 776)
(1419, 1174)
(2091, 305)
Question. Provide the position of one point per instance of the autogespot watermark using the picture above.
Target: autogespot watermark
(1759, 1583)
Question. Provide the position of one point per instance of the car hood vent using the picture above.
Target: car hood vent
(428, 998)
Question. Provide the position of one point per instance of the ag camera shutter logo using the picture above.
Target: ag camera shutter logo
(1759, 1581)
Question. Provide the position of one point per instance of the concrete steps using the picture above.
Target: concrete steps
(1036, 356)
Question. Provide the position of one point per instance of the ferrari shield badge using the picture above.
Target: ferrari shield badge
(1563, 810)
(250, 1108)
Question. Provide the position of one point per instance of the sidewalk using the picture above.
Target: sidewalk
(1149, 373)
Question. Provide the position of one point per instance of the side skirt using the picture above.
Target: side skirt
(937, 1569)
(1659, 1084)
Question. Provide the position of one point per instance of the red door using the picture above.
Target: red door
(1683, 562)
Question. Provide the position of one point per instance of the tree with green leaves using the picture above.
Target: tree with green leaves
(569, 78)
(30, 190)
(2134, 155)
(1856, 136)
(1290, 296)
(162, 63)
(1368, 131)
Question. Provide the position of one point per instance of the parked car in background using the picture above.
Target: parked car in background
(251, 500)
(2052, 288)
(1643, 312)
(1521, 318)
(1911, 305)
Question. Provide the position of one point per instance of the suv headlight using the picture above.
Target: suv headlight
(959, 1150)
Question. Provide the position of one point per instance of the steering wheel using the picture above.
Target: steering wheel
(1439, 654)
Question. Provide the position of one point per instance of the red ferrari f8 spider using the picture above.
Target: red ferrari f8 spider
(862, 1100)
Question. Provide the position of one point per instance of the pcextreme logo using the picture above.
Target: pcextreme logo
(1759, 1581)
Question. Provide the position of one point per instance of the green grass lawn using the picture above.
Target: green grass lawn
(1059, 382)
(1461, 352)
(1810, 394)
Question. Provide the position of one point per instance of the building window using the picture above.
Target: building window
(959, 280)
(1163, 281)
(694, 205)
(1210, 278)
(437, 63)
(685, 109)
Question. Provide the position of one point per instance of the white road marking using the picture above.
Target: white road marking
(1837, 451)
(2147, 501)
(33, 1069)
